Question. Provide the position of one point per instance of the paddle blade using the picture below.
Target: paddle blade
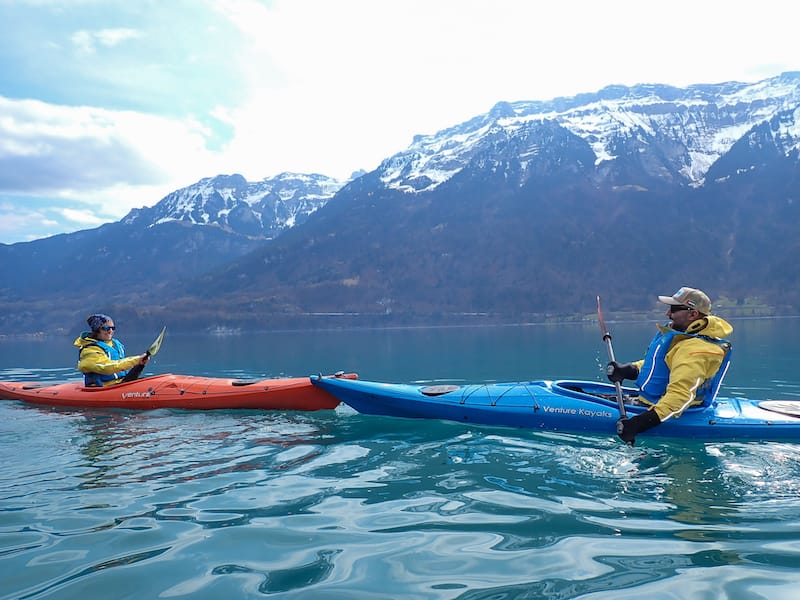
(156, 345)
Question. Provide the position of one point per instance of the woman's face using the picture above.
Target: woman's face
(106, 332)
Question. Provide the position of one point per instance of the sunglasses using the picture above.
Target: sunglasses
(674, 309)
(108, 328)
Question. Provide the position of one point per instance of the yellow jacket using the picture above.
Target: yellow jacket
(691, 362)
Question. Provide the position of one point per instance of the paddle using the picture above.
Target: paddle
(134, 373)
(607, 340)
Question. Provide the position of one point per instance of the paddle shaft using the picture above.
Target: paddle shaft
(610, 348)
(137, 369)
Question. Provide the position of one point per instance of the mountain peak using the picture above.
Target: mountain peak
(234, 181)
(502, 110)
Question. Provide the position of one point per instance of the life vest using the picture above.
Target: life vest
(654, 374)
(115, 351)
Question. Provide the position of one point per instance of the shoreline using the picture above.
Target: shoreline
(617, 317)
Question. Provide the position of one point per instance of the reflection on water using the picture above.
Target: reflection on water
(334, 504)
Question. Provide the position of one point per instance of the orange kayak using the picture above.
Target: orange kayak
(180, 391)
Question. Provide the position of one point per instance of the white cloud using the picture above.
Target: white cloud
(21, 224)
(86, 41)
(96, 154)
(112, 37)
(82, 217)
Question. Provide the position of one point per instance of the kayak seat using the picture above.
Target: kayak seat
(574, 387)
(438, 390)
(243, 382)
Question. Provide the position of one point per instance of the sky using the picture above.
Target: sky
(109, 105)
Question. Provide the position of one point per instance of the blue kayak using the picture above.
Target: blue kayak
(566, 406)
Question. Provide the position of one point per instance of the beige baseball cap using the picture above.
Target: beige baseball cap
(691, 297)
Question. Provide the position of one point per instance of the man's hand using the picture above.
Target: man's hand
(616, 372)
(628, 429)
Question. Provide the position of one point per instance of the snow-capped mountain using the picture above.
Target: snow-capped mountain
(258, 209)
(634, 137)
(675, 134)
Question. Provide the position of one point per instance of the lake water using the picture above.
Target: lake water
(336, 505)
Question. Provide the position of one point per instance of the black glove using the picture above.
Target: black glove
(616, 372)
(628, 429)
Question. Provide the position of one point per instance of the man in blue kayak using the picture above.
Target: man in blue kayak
(684, 364)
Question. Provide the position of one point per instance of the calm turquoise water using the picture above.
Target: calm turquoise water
(335, 505)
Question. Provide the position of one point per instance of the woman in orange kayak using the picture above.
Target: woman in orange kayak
(101, 357)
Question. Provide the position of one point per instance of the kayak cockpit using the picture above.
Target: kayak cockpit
(594, 391)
